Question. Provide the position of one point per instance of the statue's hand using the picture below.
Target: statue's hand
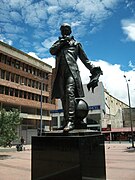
(96, 70)
(63, 43)
(94, 79)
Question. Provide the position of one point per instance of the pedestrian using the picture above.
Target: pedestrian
(22, 140)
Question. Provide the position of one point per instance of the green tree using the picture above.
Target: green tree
(9, 120)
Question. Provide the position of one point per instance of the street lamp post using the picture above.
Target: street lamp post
(41, 109)
(130, 114)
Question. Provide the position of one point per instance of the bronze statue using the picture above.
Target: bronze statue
(67, 83)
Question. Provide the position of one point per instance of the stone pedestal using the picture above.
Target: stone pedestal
(68, 157)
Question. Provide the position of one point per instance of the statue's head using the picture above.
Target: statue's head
(65, 29)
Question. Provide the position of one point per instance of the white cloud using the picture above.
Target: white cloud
(48, 42)
(128, 27)
(33, 55)
(15, 4)
(95, 10)
(5, 40)
(50, 61)
(131, 65)
(35, 13)
(53, 9)
(15, 16)
(39, 17)
(113, 79)
(8, 27)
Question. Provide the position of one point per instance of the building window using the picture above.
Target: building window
(1, 89)
(21, 80)
(16, 93)
(29, 82)
(20, 94)
(21, 65)
(36, 97)
(29, 96)
(43, 86)
(29, 69)
(36, 84)
(17, 79)
(2, 74)
(37, 72)
(39, 85)
(33, 83)
(7, 76)
(11, 91)
(33, 96)
(13, 63)
(54, 121)
(6, 90)
(3, 58)
(17, 64)
(12, 77)
(34, 71)
(25, 95)
(25, 67)
(25, 81)
(8, 60)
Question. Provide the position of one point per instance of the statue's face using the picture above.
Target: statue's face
(65, 31)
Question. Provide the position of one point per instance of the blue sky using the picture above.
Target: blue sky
(106, 29)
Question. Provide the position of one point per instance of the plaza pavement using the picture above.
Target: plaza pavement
(120, 162)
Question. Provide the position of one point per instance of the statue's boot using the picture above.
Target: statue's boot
(69, 127)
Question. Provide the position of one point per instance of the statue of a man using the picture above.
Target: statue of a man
(67, 83)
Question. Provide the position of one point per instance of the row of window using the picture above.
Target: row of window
(22, 80)
(22, 94)
(22, 66)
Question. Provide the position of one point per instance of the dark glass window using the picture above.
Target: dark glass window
(32, 96)
(29, 82)
(36, 97)
(1, 89)
(11, 91)
(29, 95)
(8, 60)
(6, 90)
(20, 94)
(33, 83)
(16, 93)
(17, 79)
(25, 95)
(3, 58)
(12, 77)
(2, 74)
(25, 81)
(13, 63)
(7, 75)
(17, 64)
(36, 84)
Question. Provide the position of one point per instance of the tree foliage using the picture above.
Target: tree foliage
(9, 120)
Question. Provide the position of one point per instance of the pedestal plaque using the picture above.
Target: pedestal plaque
(68, 157)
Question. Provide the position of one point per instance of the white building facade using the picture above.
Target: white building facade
(105, 111)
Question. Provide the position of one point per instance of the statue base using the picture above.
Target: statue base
(79, 155)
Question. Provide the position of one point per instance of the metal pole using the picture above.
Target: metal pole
(130, 114)
(41, 109)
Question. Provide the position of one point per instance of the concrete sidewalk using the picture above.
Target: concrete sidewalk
(120, 163)
(13, 148)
